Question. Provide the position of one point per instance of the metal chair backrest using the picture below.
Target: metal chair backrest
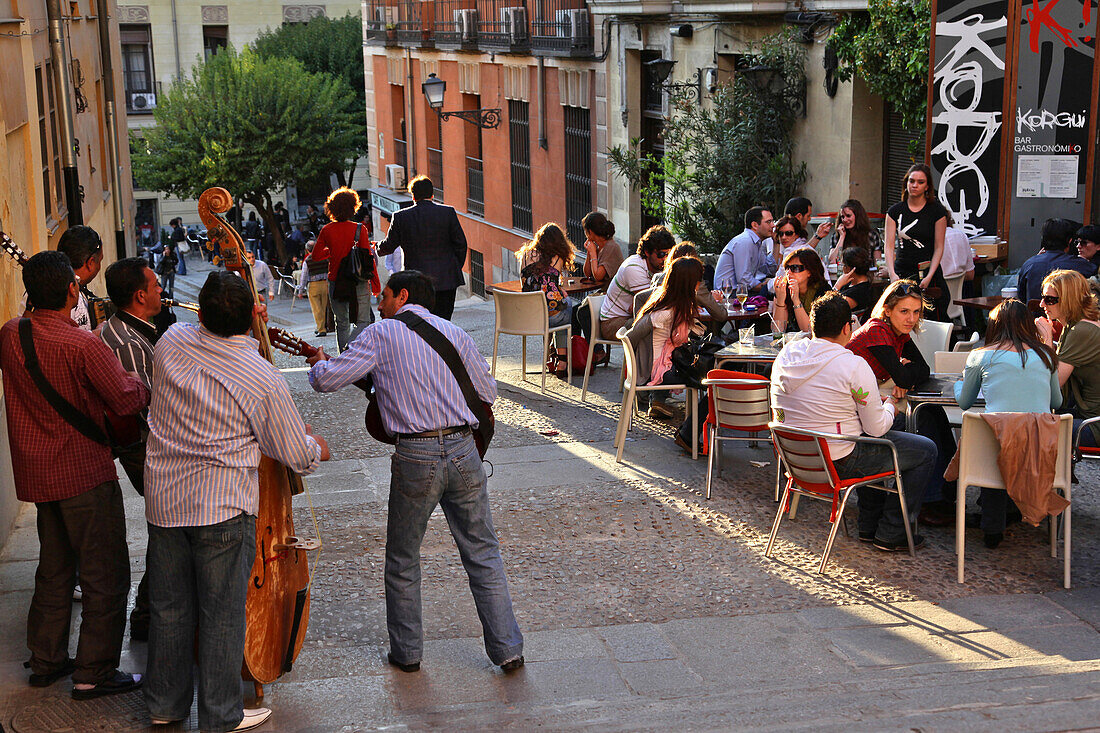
(933, 336)
(521, 314)
(979, 450)
(950, 362)
(630, 360)
(806, 458)
(738, 400)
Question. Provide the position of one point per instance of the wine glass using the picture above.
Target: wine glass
(727, 291)
(742, 294)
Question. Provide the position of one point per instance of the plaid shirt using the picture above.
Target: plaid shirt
(51, 461)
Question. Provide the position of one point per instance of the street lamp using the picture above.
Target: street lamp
(661, 68)
(434, 87)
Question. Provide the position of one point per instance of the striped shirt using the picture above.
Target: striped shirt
(132, 340)
(216, 405)
(416, 391)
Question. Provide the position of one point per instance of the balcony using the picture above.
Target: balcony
(456, 25)
(380, 22)
(503, 26)
(415, 23)
(561, 28)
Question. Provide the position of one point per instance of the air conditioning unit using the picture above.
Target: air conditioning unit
(514, 23)
(466, 24)
(395, 176)
(143, 101)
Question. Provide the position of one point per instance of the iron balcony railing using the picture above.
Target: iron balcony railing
(503, 25)
(560, 27)
(380, 22)
(456, 24)
(415, 22)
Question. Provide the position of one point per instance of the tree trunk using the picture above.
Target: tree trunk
(262, 201)
(341, 179)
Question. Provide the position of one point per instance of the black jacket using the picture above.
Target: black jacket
(432, 239)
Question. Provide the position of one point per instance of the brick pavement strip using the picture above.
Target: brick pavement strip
(644, 606)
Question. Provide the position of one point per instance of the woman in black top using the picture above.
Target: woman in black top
(915, 230)
(855, 283)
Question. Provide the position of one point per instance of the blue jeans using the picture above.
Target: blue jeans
(341, 309)
(445, 471)
(198, 576)
(880, 512)
(932, 423)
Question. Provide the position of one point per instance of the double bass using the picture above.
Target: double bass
(277, 605)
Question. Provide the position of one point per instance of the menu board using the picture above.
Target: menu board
(1047, 176)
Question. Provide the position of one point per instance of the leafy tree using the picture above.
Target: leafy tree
(248, 124)
(326, 46)
(723, 158)
(888, 47)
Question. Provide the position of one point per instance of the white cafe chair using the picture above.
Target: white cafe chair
(526, 314)
(932, 336)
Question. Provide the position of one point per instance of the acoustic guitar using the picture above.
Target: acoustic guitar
(291, 344)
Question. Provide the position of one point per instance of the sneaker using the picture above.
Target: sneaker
(900, 545)
(253, 718)
(659, 409)
(511, 665)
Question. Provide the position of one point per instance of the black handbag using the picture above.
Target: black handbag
(695, 357)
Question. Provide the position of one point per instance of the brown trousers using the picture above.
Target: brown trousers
(89, 531)
(318, 302)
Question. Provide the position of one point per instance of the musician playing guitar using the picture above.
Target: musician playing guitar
(436, 462)
(217, 406)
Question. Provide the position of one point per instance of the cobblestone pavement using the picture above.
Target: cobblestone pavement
(644, 605)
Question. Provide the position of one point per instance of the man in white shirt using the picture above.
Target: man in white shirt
(634, 276)
(818, 384)
(84, 248)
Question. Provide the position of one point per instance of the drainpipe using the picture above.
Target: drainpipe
(540, 91)
(410, 132)
(102, 9)
(59, 53)
(176, 42)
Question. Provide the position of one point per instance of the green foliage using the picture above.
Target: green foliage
(332, 47)
(722, 158)
(888, 47)
(247, 124)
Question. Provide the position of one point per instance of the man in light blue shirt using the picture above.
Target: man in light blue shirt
(745, 260)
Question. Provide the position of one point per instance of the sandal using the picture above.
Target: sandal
(601, 357)
(118, 682)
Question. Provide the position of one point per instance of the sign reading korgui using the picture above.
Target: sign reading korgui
(1040, 171)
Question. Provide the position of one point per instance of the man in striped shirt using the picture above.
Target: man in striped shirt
(436, 462)
(217, 405)
(130, 333)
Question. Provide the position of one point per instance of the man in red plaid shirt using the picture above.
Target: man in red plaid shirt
(72, 481)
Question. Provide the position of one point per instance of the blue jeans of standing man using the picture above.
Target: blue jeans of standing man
(341, 309)
(198, 576)
(445, 471)
(880, 512)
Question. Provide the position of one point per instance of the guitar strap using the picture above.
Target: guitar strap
(446, 350)
(80, 422)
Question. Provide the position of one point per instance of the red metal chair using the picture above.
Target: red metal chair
(1085, 452)
(810, 472)
(739, 402)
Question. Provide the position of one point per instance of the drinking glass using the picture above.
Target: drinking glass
(746, 336)
(742, 294)
(727, 291)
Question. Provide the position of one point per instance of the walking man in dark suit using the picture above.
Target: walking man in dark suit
(433, 242)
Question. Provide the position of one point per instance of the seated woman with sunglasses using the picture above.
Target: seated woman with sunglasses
(1070, 305)
(802, 283)
(885, 342)
(1016, 372)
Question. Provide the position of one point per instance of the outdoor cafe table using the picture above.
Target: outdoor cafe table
(938, 389)
(578, 286)
(987, 302)
(763, 351)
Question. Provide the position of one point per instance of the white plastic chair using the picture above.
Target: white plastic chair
(526, 314)
(933, 336)
(955, 290)
(968, 345)
(630, 390)
(949, 362)
(978, 452)
(595, 303)
(740, 404)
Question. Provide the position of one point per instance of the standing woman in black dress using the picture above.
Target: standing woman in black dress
(915, 230)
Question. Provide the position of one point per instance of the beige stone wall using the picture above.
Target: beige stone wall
(23, 195)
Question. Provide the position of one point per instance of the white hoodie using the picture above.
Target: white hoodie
(819, 385)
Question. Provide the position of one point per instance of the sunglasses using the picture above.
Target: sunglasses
(796, 268)
(1050, 299)
(910, 289)
(787, 233)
